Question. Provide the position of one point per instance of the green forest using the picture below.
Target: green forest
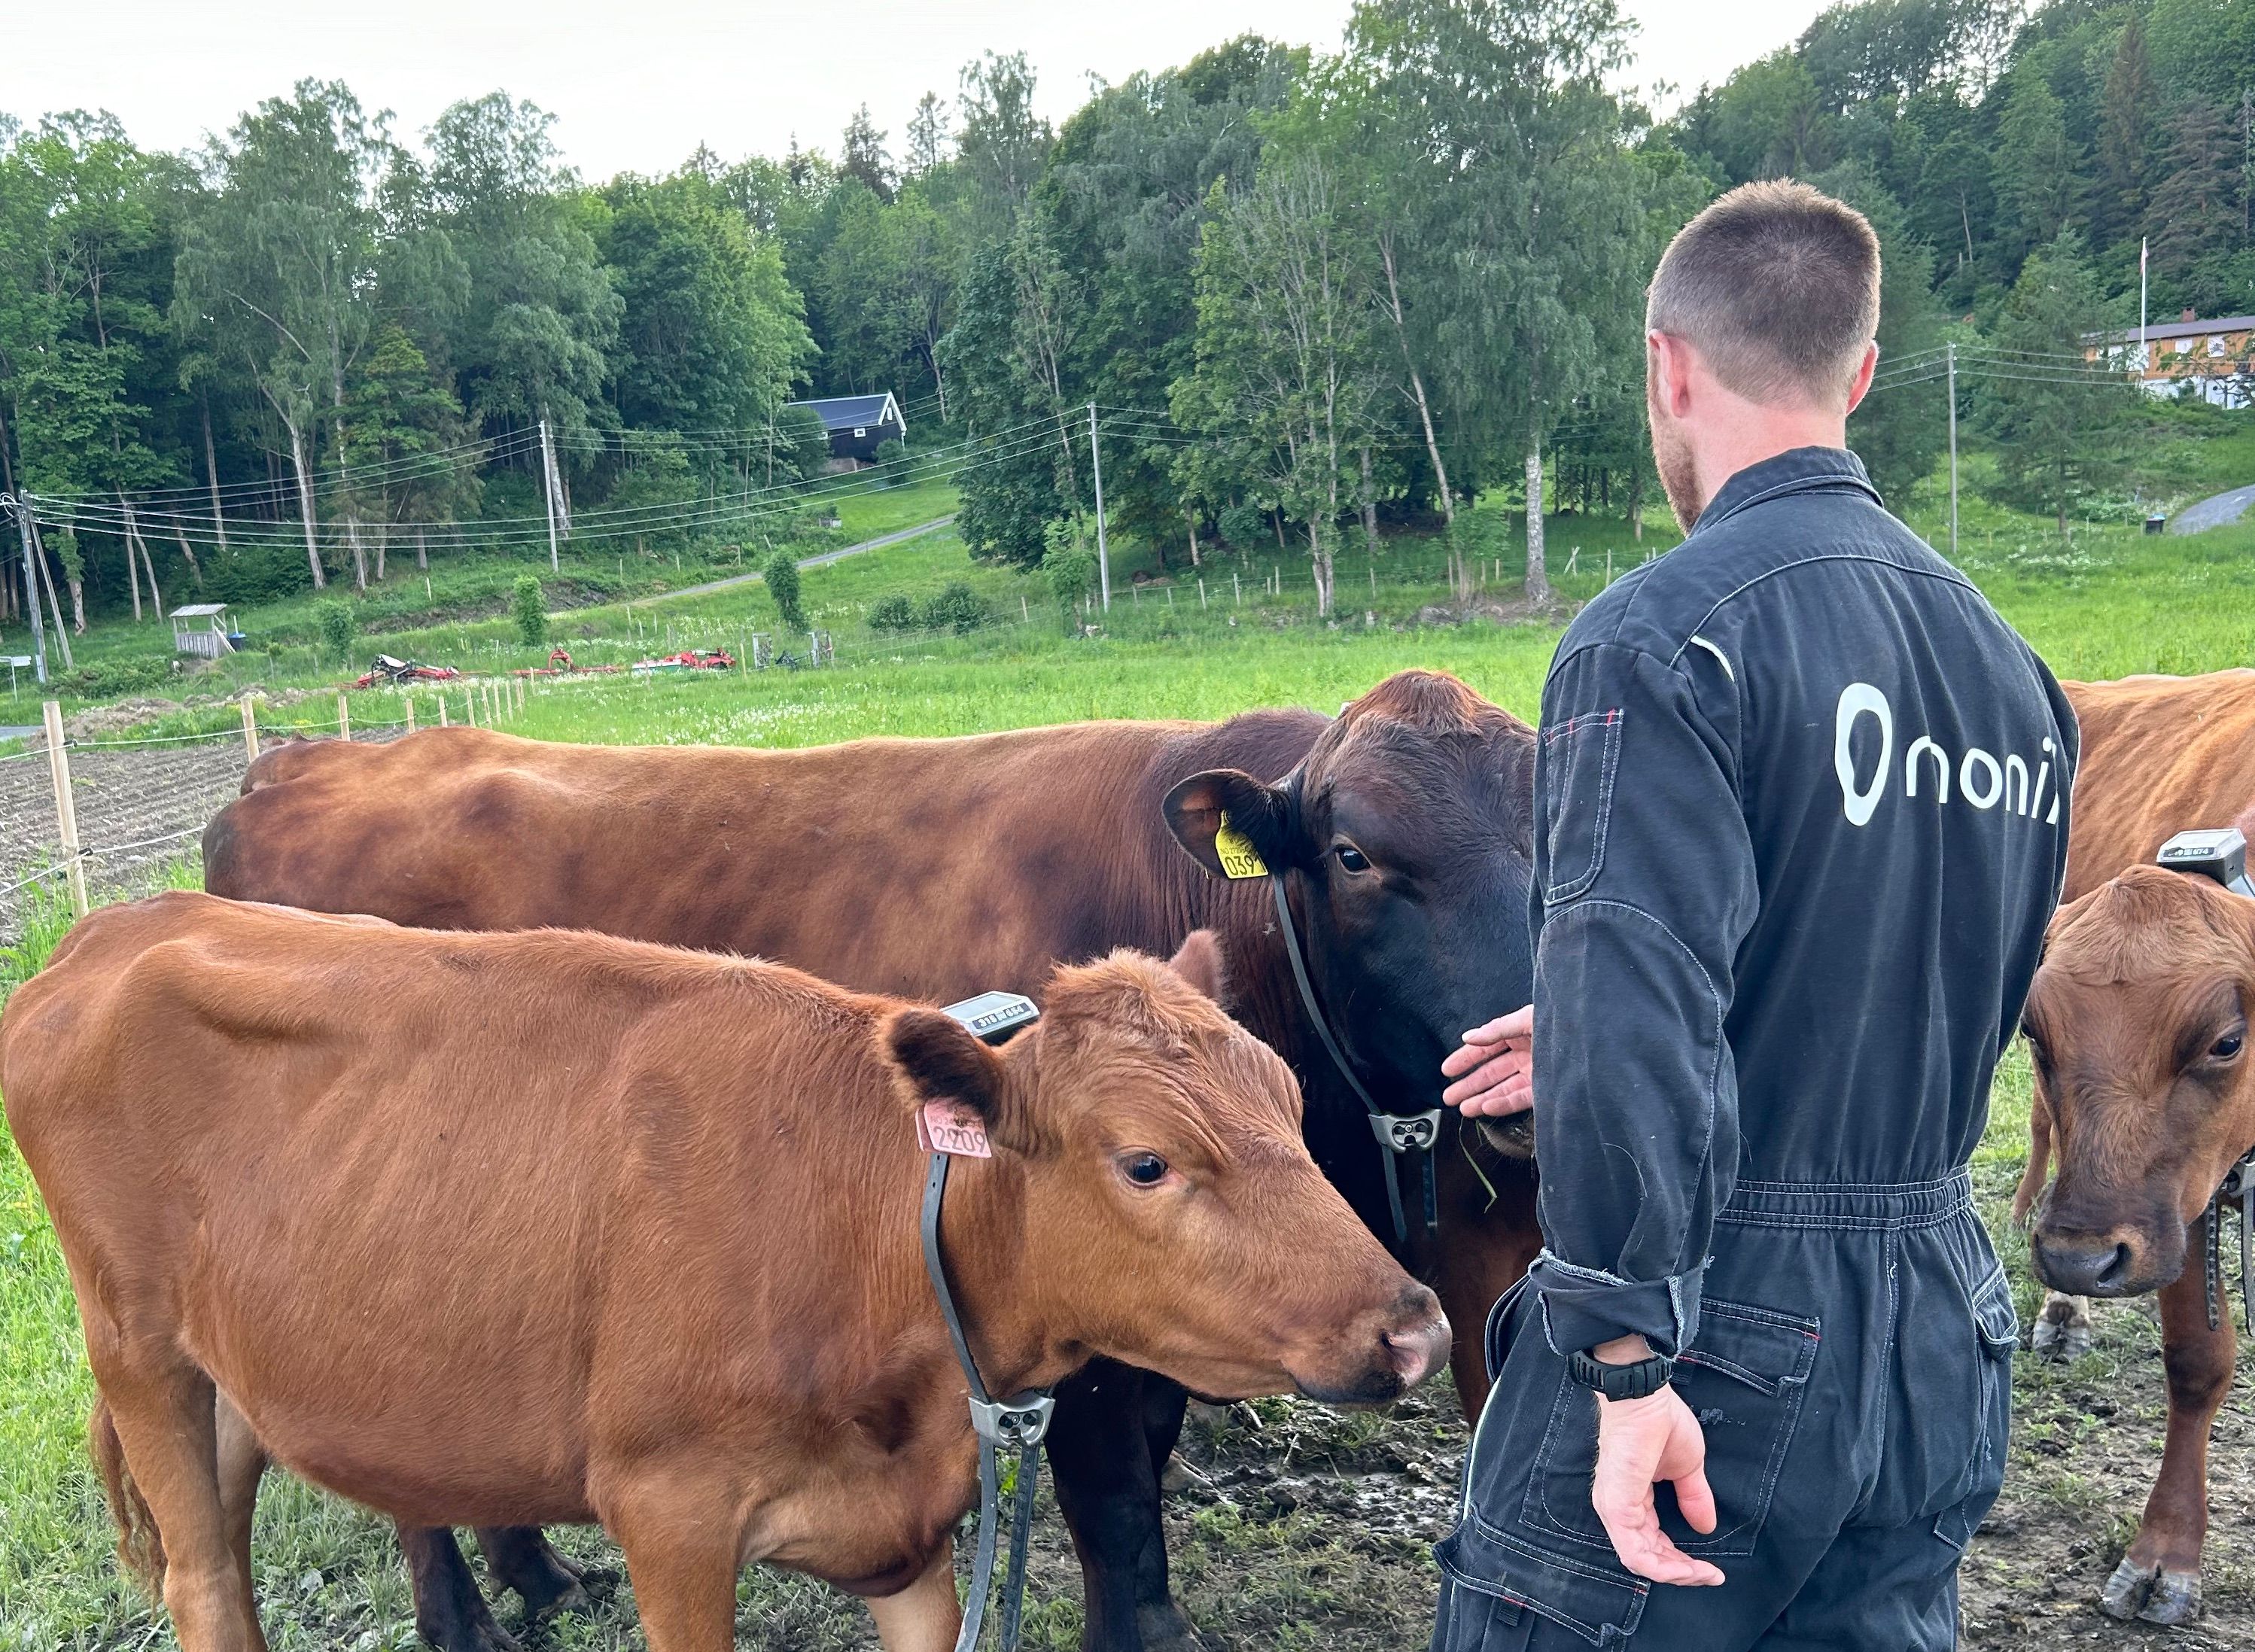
(1296, 293)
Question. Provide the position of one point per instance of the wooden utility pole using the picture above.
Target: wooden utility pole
(66, 808)
(1949, 356)
(548, 488)
(32, 592)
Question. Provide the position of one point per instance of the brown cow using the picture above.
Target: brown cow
(2160, 755)
(936, 869)
(669, 1201)
(2136, 1023)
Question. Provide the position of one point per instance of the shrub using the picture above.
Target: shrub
(1243, 525)
(892, 459)
(529, 609)
(1070, 565)
(337, 627)
(101, 680)
(781, 572)
(956, 608)
(894, 613)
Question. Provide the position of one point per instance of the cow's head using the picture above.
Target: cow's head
(2138, 1025)
(1168, 1214)
(1410, 822)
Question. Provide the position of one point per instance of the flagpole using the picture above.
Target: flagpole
(2142, 312)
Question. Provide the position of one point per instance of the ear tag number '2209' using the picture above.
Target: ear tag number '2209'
(952, 1126)
(1235, 851)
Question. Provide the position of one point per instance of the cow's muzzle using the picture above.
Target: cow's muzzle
(1383, 1355)
(2117, 1262)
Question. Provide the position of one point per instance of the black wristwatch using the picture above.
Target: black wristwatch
(1621, 1382)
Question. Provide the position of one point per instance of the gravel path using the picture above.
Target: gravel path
(2213, 512)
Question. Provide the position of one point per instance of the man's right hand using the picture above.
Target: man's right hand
(1494, 1068)
(1640, 1442)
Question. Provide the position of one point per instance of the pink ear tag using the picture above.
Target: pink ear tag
(952, 1126)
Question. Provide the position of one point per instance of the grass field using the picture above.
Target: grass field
(1311, 1565)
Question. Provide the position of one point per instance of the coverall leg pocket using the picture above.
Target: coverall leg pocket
(1525, 1587)
(1996, 1329)
(1743, 1376)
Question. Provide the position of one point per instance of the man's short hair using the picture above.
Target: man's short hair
(1777, 286)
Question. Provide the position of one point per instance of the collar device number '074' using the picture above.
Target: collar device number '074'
(2219, 853)
(1019, 1422)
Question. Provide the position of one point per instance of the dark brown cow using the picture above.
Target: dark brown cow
(2160, 755)
(670, 1201)
(935, 868)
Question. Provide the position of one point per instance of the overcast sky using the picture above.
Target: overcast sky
(637, 84)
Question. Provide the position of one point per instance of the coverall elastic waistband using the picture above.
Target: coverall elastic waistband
(1848, 1204)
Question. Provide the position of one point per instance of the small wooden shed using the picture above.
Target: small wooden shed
(201, 629)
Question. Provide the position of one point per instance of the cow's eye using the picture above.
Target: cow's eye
(1145, 1170)
(1351, 858)
(2226, 1047)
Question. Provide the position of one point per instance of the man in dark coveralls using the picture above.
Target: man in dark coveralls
(1803, 806)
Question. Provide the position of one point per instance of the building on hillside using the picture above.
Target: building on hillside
(2213, 360)
(857, 423)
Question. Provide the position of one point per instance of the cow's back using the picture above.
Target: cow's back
(924, 868)
(2160, 755)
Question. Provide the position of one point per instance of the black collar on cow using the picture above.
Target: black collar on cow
(1022, 1420)
(2238, 1186)
(1398, 1133)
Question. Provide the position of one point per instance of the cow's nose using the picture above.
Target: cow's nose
(2101, 1266)
(1417, 1344)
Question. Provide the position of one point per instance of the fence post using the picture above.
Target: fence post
(344, 719)
(443, 723)
(251, 727)
(409, 700)
(66, 807)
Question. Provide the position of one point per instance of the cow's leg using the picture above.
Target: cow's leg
(1487, 1211)
(926, 1616)
(2159, 1579)
(522, 1559)
(2062, 1329)
(450, 1614)
(242, 1465)
(1107, 1488)
(681, 1540)
(167, 1430)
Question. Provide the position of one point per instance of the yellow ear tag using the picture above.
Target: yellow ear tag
(1238, 856)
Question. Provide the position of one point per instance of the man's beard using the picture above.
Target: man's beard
(1679, 476)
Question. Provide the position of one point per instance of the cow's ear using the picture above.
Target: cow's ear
(1198, 960)
(935, 1057)
(1260, 817)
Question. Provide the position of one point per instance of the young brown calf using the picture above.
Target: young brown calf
(665, 1204)
(2138, 1025)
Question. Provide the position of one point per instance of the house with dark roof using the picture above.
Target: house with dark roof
(2213, 359)
(857, 423)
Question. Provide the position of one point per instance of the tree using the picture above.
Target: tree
(2126, 141)
(780, 572)
(713, 336)
(2196, 210)
(2036, 162)
(403, 439)
(1895, 432)
(277, 263)
(1288, 381)
(1001, 141)
(861, 155)
(2053, 432)
(530, 611)
(928, 135)
(540, 318)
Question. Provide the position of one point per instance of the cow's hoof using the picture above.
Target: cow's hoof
(2175, 1601)
(2125, 1595)
(479, 1634)
(2064, 1344)
(1165, 1629)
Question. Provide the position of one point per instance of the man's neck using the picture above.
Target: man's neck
(1722, 453)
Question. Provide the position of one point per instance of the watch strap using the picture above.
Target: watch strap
(1631, 1381)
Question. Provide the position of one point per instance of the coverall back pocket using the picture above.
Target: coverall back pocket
(1743, 1376)
(1997, 1325)
(1579, 758)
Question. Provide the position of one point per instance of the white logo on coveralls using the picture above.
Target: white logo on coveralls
(1982, 780)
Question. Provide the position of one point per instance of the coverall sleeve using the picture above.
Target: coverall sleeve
(1645, 885)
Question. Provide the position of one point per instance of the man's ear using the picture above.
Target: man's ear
(1260, 813)
(1198, 961)
(934, 1057)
